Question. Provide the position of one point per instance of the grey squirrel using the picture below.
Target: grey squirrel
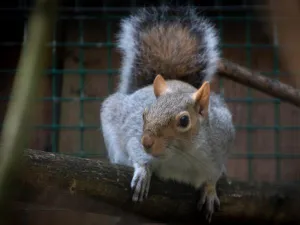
(163, 118)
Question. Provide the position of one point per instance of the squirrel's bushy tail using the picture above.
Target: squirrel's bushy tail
(176, 43)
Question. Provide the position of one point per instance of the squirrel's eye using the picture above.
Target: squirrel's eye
(184, 121)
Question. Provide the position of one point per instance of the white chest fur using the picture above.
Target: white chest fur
(193, 168)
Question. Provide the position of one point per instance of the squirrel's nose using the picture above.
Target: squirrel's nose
(147, 141)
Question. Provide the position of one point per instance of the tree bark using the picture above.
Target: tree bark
(167, 201)
(257, 81)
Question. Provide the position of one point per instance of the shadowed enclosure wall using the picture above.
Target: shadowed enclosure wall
(84, 70)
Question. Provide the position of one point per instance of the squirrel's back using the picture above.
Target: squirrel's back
(176, 43)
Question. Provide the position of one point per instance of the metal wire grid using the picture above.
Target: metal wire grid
(82, 14)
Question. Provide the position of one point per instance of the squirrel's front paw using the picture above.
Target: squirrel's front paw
(140, 182)
(210, 199)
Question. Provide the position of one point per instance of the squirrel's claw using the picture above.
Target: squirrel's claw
(140, 183)
(211, 201)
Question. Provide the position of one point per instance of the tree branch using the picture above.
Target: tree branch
(255, 80)
(167, 201)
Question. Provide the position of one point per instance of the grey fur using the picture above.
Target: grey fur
(122, 124)
(194, 161)
(135, 74)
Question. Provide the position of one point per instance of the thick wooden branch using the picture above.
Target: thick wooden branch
(168, 201)
(255, 80)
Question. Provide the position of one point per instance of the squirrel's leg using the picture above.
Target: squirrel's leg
(210, 198)
(140, 182)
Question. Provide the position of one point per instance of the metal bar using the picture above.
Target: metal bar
(249, 104)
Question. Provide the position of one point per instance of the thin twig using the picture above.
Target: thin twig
(257, 81)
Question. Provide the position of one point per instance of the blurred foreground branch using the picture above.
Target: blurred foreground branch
(283, 26)
(46, 173)
(33, 61)
(257, 81)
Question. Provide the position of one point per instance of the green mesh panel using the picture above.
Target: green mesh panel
(114, 12)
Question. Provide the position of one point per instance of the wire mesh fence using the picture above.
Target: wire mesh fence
(84, 69)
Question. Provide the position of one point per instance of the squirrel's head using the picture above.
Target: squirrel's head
(174, 118)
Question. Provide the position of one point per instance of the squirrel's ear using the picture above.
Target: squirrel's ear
(159, 85)
(201, 96)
